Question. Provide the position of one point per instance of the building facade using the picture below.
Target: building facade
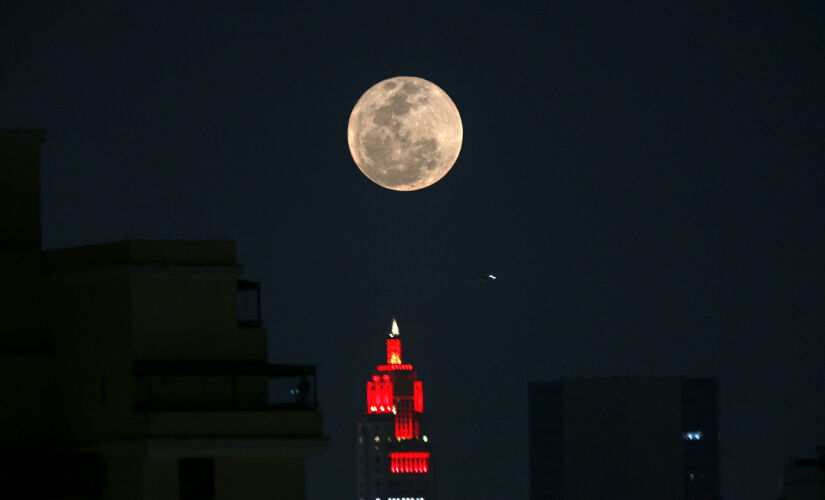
(805, 478)
(623, 438)
(394, 448)
(129, 371)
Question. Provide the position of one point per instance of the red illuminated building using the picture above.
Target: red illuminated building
(394, 444)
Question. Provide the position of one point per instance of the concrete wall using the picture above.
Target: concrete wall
(28, 411)
(270, 423)
(135, 477)
(131, 477)
(188, 313)
(21, 325)
(160, 479)
(259, 479)
(20, 189)
(183, 297)
(102, 318)
(88, 313)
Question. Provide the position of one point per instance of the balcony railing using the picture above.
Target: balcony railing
(227, 386)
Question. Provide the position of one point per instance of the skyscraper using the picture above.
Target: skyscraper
(394, 442)
(632, 437)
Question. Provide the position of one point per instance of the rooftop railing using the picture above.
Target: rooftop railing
(223, 386)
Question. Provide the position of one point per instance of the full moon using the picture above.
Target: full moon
(405, 133)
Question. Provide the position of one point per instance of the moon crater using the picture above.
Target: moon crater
(405, 133)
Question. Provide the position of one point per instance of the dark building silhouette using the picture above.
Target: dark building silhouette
(624, 438)
(394, 450)
(805, 479)
(137, 369)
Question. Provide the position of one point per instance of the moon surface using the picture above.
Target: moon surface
(405, 133)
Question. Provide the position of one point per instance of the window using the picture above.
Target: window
(409, 462)
(196, 478)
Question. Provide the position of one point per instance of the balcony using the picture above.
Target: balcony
(226, 409)
(223, 386)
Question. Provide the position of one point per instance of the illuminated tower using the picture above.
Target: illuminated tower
(394, 442)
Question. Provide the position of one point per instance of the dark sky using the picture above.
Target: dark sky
(644, 179)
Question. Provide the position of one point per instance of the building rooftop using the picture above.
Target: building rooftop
(22, 136)
(143, 253)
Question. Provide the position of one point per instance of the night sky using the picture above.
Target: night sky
(645, 180)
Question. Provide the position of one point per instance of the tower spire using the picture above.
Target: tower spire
(394, 345)
(394, 452)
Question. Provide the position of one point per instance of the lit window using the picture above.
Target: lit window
(409, 462)
(393, 351)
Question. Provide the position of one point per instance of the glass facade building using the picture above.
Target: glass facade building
(631, 437)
